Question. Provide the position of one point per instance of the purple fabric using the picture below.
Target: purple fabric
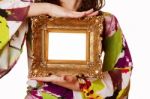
(64, 92)
(126, 60)
(17, 14)
(34, 93)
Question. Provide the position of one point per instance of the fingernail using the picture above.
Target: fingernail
(92, 9)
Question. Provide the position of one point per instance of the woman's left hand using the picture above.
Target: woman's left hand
(66, 81)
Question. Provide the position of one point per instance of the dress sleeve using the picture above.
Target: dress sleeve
(13, 28)
(117, 65)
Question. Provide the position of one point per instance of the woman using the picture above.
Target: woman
(117, 63)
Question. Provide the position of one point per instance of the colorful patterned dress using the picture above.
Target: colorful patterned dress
(117, 63)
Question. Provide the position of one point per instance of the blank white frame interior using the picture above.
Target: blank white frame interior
(66, 46)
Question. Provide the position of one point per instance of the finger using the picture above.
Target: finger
(93, 14)
(48, 79)
(89, 11)
(76, 14)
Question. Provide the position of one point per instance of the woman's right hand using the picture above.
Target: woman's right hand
(57, 11)
(66, 81)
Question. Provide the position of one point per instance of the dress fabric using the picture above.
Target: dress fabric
(117, 63)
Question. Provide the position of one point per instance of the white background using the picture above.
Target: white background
(134, 18)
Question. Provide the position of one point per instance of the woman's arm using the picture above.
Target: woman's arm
(57, 11)
(66, 81)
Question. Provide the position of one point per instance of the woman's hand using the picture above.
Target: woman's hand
(66, 81)
(57, 11)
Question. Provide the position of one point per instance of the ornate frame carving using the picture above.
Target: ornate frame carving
(41, 66)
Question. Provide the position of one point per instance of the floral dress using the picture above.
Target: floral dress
(117, 63)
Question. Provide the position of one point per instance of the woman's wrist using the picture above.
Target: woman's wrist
(49, 8)
(55, 10)
(37, 9)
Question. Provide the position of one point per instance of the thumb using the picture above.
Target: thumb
(74, 14)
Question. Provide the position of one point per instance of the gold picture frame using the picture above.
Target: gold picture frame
(46, 30)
